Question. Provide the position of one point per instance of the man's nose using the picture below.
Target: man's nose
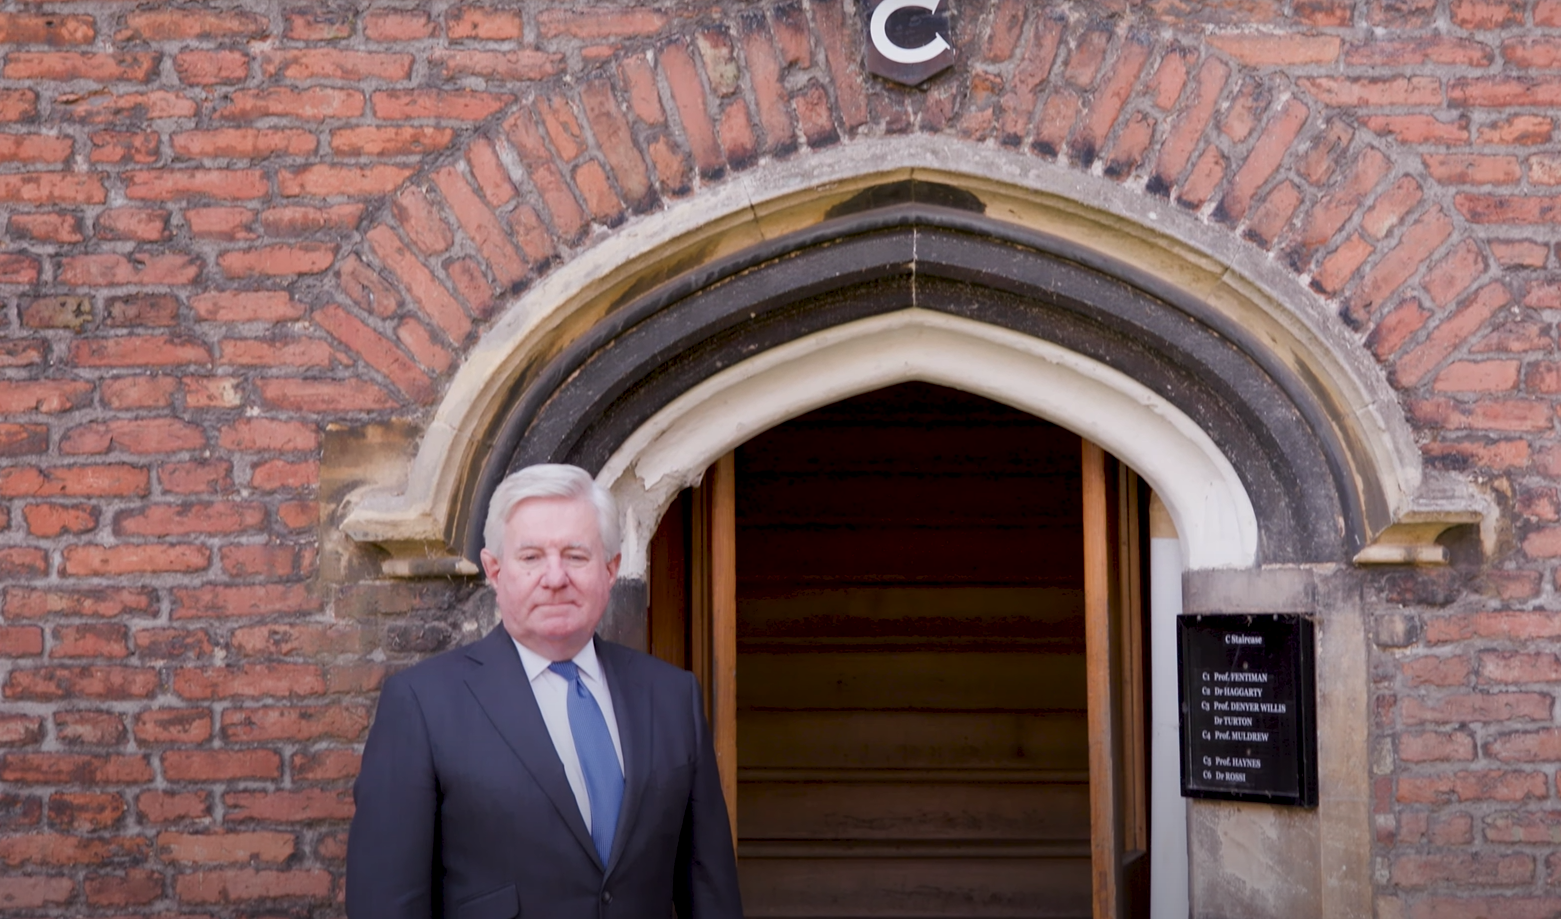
(554, 575)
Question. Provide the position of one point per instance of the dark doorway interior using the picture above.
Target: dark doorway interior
(911, 703)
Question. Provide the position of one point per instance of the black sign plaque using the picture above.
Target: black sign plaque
(1248, 719)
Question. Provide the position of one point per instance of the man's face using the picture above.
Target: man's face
(553, 580)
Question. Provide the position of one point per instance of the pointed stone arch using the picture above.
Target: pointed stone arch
(580, 361)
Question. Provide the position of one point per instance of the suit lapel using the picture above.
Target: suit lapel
(631, 708)
(505, 695)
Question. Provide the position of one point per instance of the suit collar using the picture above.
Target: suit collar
(501, 688)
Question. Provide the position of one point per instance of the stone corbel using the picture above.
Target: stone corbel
(1443, 503)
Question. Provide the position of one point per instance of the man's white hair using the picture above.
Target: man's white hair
(550, 480)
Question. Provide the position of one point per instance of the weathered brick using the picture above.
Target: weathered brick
(211, 68)
(29, 439)
(86, 811)
(109, 640)
(173, 725)
(226, 847)
(173, 807)
(246, 306)
(482, 226)
(432, 296)
(241, 143)
(65, 66)
(285, 475)
(325, 180)
(1287, 50)
(313, 24)
(300, 806)
(1477, 707)
(1263, 159)
(46, 227)
(392, 25)
(1464, 869)
(688, 96)
(313, 104)
(111, 270)
(97, 682)
(186, 519)
(36, 891)
(33, 29)
(139, 435)
(422, 221)
(89, 561)
(109, 479)
(1472, 785)
(269, 561)
(326, 765)
(1365, 92)
(77, 728)
(18, 641)
(63, 850)
(224, 223)
(51, 188)
(1187, 128)
(221, 765)
(75, 769)
(1478, 376)
(46, 396)
(131, 887)
(248, 680)
(181, 24)
(397, 105)
(307, 64)
(300, 723)
(250, 600)
(1436, 746)
(376, 350)
(1469, 316)
(20, 730)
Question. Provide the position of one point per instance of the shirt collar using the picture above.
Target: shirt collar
(535, 663)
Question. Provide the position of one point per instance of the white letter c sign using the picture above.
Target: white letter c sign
(894, 52)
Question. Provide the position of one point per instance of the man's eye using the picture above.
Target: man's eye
(577, 558)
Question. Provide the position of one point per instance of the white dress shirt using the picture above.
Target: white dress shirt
(552, 692)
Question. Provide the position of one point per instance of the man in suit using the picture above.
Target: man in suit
(541, 771)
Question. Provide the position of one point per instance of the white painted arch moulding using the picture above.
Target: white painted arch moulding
(1184, 467)
(413, 516)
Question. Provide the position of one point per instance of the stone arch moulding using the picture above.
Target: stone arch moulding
(1291, 447)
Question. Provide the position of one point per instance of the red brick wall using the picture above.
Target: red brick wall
(226, 227)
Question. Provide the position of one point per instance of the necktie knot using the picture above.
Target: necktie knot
(566, 669)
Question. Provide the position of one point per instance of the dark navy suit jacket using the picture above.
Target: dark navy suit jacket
(463, 810)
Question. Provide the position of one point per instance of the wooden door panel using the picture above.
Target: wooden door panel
(813, 555)
(916, 807)
(931, 614)
(896, 680)
(886, 740)
(1035, 882)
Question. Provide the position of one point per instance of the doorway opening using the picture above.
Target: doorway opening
(909, 705)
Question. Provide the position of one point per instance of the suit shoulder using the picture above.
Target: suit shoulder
(438, 669)
(644, 666)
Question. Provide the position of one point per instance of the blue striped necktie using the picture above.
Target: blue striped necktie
(598, 758)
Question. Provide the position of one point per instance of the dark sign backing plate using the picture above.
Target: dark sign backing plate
(1248, 709)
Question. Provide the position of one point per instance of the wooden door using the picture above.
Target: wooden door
(1114, 648)
(693, 605)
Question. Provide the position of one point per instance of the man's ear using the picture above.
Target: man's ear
(612, 566)
(490, 564)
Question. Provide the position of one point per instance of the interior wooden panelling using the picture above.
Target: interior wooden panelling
(911, 706)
